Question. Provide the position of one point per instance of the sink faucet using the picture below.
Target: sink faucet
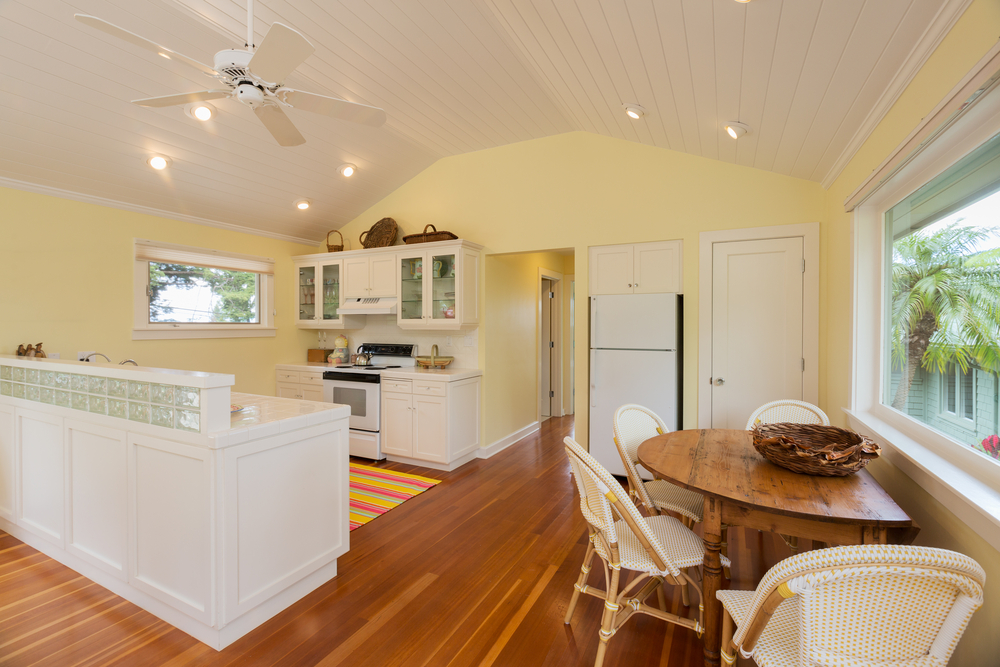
(127, 361)
(92, 354)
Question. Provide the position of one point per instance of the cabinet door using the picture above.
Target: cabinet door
(356, 278)
(42, 457)
(306, 295)
(657, 268)
(441, 282)
(329, 293)
(312, 393)
(7, 476)
(397, 424)
(411, 310)
(611, 269)
(430, 428)
(383, 275)
(289, 391)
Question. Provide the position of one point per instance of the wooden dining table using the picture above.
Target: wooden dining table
(743, 489)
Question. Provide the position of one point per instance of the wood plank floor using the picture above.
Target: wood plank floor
(476, 571)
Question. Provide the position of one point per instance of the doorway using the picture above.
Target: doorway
(550, 344)
(759, 321)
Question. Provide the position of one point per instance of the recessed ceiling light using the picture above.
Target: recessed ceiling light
(347, 170)
(158, 162)
(161, 53)
(302, 204)
(736, 129)
(743, 1)
(200, 110)
(634, 111)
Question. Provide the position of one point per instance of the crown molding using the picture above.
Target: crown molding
(942, 24)
(146, 210)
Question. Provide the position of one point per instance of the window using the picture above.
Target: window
(942, 305)
(183, 292)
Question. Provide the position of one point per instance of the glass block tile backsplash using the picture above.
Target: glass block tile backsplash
(163, 405)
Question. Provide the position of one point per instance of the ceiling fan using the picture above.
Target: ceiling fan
(254, 76)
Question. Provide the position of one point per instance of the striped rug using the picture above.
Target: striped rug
(375, 491)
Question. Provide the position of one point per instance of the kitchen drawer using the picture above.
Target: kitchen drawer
(311, 377)
(398, 386)
(430, 388)
(287, 376)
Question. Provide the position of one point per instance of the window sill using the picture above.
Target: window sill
(181, 333)
(974, 501)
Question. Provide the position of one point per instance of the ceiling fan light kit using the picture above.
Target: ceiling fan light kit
(253, 76)
(735, 129)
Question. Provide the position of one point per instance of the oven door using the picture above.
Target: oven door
(363, 397)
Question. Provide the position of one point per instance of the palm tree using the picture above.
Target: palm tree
(945, 303)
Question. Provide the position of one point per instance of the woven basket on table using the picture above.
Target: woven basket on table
(334, 248)
(429, 237)
(814, 449)
(381, 235)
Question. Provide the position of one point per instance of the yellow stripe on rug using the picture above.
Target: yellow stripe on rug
(375, 491)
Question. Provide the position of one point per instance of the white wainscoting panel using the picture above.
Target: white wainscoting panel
(98, 496)
(8, 463)
(171, 517)
(41, 451)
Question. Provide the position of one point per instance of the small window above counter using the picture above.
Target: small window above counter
(435, 285)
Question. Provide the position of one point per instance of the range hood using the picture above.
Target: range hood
(385, 305)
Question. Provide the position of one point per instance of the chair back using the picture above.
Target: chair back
(877, 604)
(634, 425)
(787, 410)
(602, 498)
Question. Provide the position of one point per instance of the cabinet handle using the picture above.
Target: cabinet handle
(637, 284)
(630, 284)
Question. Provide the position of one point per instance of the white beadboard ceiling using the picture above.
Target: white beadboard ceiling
(810, 77)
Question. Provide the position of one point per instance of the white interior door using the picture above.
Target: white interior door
(545, 350)
(757, 326)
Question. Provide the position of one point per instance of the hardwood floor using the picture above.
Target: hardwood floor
(476, 571)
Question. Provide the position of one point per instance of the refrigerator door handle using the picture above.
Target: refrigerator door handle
(593, 379)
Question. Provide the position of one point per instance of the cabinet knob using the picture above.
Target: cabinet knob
(630, 284)
(637, 284)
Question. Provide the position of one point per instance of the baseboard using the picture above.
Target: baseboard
(447, 467)
(507, 441)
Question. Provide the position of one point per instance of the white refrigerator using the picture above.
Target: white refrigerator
(635, 341)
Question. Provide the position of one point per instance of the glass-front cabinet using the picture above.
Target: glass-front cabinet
(431, 285)
(318, 295)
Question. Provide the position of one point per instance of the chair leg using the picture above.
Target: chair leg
(792, 542)
(660, 597)
(725, 551)
(608, 618)
(728, 651)
(581, 580)
(685, 593)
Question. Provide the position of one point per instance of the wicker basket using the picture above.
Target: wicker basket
(428, 237)
(381, 235)
(814, 449)
(334, 248)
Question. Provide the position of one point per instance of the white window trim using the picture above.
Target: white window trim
(953, 474)
(143, 329)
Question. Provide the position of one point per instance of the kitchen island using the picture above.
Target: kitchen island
(143, 481)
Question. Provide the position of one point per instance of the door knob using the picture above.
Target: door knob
(719, 382)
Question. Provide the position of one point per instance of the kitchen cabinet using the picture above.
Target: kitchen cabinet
(319, 295)
(370, 276)
(438, 287)
(430, 423)
(303, 385)
(637, 268)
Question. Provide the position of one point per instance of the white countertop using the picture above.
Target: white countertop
(447, 374)
(269, 415)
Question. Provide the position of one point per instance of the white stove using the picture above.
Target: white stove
(360, 388)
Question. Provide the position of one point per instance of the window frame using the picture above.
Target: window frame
(952, 473)
(143, 329)
(958, 416)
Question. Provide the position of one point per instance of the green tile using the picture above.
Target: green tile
(48, 378)
(187, 397)
(5, 373)
(163, 416)
(162, 394)
(31, 376)
(62, 381)
(80, 402)
(48, 395)
(17, 374)
(63, 399)
(138, 412)
(188, 420)
(117, 388)
(138, 391)
(118, 408)
(5, 388)
(99, 405)
(97, 385)
(32, 393)
(78, 382)
(17, 390)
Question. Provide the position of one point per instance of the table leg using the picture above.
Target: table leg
(712, 581)
(874, 535)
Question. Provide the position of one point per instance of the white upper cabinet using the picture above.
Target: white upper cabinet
(319, 295)
(438, 288)
(370, 276)
(638, 268)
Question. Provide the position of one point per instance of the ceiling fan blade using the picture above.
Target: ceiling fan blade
(122, 33)
(279, 125)
(282, 50)
(183, 98)
(332, 106)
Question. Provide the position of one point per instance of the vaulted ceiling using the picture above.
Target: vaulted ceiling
(810, 78)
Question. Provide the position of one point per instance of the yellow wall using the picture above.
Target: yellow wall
(974, 34)
(66, 280)
(578, 190)
(511, 344)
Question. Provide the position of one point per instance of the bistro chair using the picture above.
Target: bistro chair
(793, 412)
(787, 410)
(659, 548)
(874, 605)
(634, 424)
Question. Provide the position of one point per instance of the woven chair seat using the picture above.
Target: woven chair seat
(778, 645)
(684, 548)
(667, 496)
